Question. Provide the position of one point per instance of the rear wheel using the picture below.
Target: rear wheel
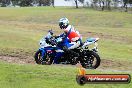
(42, 60)
(91, 60)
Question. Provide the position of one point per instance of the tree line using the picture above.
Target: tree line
(24, 3)
(96, 4)
(109, 4)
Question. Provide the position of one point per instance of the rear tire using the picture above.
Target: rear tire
(91, 56)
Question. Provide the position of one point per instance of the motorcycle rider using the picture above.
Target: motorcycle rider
(71, 34)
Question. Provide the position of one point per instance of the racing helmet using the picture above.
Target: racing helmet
(63, 23)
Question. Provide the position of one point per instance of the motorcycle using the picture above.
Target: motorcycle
(51, 52)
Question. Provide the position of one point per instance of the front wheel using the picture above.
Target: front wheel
(42, 60)
(91, 60)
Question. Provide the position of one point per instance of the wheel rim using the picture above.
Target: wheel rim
(40, 59)
(46, 60)
(90, 61)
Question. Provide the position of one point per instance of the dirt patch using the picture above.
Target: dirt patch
(11, 59)
(115, 64)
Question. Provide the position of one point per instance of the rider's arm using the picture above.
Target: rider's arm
(62, 35)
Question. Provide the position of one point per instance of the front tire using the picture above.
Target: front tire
(42, 60)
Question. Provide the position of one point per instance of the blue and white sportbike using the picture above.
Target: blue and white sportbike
(51, 52)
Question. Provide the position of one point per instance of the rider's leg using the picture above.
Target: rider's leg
(69, 46)
(65, 48)
(74, 45)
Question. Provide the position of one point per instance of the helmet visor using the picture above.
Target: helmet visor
(61, 25)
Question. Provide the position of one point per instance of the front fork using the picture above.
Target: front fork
(43, 52)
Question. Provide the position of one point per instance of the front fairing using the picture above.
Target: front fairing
(43, 52)
(47, 50)
(43, 43)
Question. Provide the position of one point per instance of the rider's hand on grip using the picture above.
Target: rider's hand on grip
(53, 43)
